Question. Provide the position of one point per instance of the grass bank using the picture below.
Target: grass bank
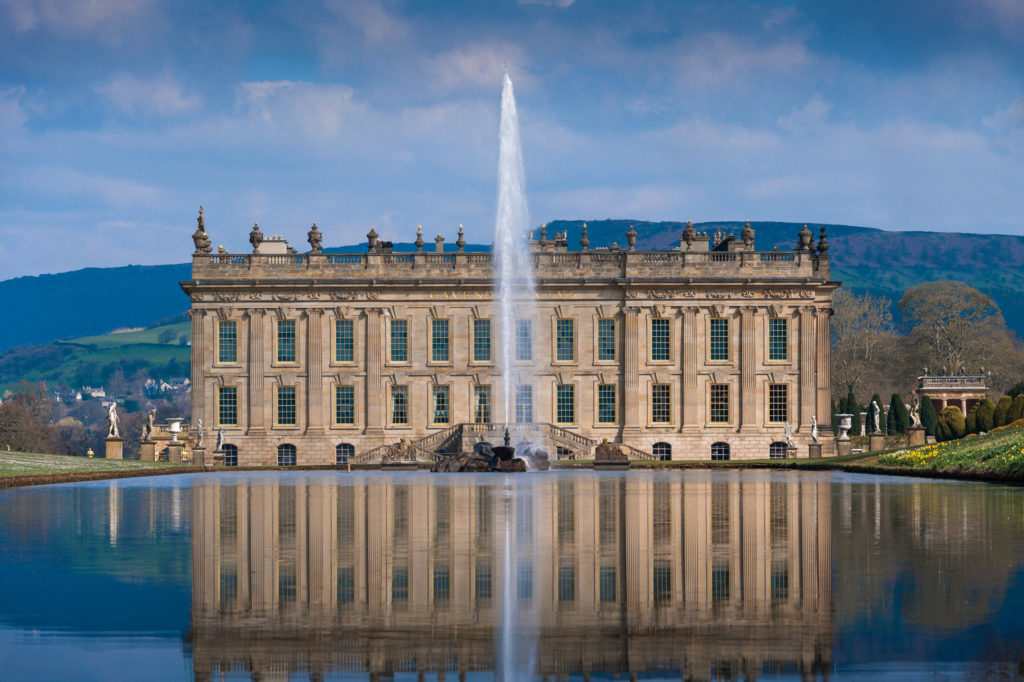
(998, 455)
(30, 468)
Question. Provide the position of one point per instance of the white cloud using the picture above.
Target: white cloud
(72, 16)
(716, 59)
(117, 192)
(12, 114)
(370, 19)
(317, 111)
(548, 3)
(811, 114)
(160, 95)
(477, 66)
(1010, 118)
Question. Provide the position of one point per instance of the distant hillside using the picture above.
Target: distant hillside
(96, 300)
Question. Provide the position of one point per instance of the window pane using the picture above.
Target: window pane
(285, 458)
(482, 412)
(606, 404)
(399, 404)
(661, 403)
(344, 405)
(483, 581)
(228, 341)
(662, 451)
(524, 404)
(719, 403)
(606, 339)
(608, 584)
(439, 340)
(228, 405)
(286, 405)
(662, 581)
(720, 451)
(660, 343)
(230, 455)
(778, 339)
(343, 453)
(566, 406)
(399, 341)
(481, 340)
(524, 340)
(565, 341)
(343, 341)
(400, 584)
(286, 341)
(441, 414)
(567, 583)
(719, 339)
(778, 402)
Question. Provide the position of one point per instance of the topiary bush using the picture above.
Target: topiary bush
(929, 417)
(1016, 409)
(971, 420)
(1002, 411)
(952, 424)
(898, 418)
(986, 415)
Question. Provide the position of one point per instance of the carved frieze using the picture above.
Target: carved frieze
(691, 293)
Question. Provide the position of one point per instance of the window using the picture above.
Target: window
(524, 340)
(661, 404)
(524, 404)
(286, 455)
(346, 585)
(399, 340)
(562, 452)
(566, 583)
(606, 404)
(228, 405)
(719, 338)
(720, 582)
(286, 341)
(482, 410)
(565, 407)
(719, 403)
(663, 451)
(441, 403)
(230, 455)
(286, 405)
(227, 341)
(481, 340)
(343, 452)
(778, 450)
(286, 583)
(439, 340)
(778, 403)
(662, 581)
(399, 404)
(778, 339)
(524, 582)
(660, 343)
(606, 339)
(565, 341)
(719, 452)
(608, 584)
(400, 584)
(344, 344)
(344, 405)
(442, 585)
(780, 581)
(483, 581)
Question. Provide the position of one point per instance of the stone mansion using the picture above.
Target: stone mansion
(711, 350)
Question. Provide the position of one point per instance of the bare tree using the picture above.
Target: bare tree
(863, 342)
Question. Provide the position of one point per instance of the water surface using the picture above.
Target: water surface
(661, 575)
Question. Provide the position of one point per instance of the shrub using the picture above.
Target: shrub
(898, 418)
(1016, 390)
(972, 420)
(1002, 410)
(985, 415)
(1016, 409)
(929, 418)
(951, 424)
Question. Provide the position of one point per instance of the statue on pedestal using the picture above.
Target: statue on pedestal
(814, 429)
(787, 435)
(149, 426)
(220, 440)
(199, 433)
(915, 413)
(112, 421)
(315, 238)
(199, 237)
(875, 414)
(255, 236)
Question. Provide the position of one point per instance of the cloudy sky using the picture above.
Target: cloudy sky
(118, 118)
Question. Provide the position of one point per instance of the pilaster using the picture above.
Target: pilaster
(375, 400)
(631, 331)
(198, 366)
(691, 399)
(257, 361)
(824, 371)
(808, 350)
(314, 371)
(748, 369)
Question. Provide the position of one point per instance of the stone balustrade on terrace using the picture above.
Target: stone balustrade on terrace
(551, 266)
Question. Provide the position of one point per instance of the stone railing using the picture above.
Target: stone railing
(970, 381)
(479, 266)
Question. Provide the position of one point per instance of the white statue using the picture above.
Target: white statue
(220, 439)
(150, 426)
(814, 429)
(112, 422)
(199, 432)
(876, 417)
(787, 435)
(915, 413)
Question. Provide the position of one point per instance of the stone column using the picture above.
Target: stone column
(632, 328)
(748, 376)
(691, 399)
(808, 368)
(198, 366)
(824, 373)
(375, 400)
(256, 362)
(314, 371)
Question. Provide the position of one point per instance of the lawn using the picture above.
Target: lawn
(999, 454)
(15, 464)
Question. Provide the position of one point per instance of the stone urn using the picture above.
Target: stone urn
(174, 427)
(845, 424)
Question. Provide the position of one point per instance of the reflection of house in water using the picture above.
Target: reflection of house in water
(723, 573)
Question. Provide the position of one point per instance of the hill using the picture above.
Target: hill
(95, 300)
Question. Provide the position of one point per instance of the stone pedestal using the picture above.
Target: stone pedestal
(114, 448)
(218, 458)
(915, 436)
(174, 453)
(814, 451)
(147, 451)
(876, 442)
(199, 456)
(791, 452)
(843, 447)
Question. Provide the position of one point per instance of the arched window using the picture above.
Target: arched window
(286, 455)
(778, 450)
(343, 452)
(663, 451)
(230, 455)
(564, 453)
(719, 452)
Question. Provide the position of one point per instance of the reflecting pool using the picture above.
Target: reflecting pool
(660, 575)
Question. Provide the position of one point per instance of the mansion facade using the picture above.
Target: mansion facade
(712, 350)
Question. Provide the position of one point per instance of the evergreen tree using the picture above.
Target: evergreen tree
(929, 418)
(1002, 410)
(971, 422)
(851, 407)
(898, 418)
(1016, 409)
(951, 423)
(985, 415)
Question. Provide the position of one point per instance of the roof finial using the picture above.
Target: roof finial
(461, 241)
(200, 239)
(585, 239)
(419, 238)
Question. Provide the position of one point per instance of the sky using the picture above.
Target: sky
(119, 118)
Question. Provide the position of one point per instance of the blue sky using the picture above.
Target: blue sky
(118, 118)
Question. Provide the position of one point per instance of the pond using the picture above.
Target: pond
(673, 575)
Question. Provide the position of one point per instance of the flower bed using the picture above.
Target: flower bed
(1000, 453)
